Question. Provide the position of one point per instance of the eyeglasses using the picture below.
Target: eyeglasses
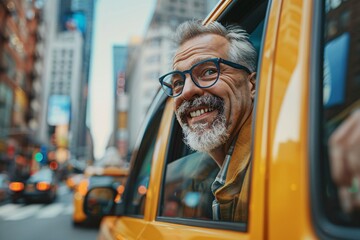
(204, 74)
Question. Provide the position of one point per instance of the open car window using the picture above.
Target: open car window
(186, 196)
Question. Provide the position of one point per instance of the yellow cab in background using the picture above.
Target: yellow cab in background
(114, 177)
(307, 83)
(73, 180)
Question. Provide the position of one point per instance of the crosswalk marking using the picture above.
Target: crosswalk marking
(24, 212)
(50, 211)
(8, 208)
(14, 212)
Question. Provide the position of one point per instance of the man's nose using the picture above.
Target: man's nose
(190, 89)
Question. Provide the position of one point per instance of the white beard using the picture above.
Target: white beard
(201, 137)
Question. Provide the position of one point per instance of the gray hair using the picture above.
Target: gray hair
(241, 49)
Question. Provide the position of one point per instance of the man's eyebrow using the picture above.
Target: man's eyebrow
(193, 62)
(198, 59)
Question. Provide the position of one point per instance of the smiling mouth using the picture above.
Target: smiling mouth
(199, 112)
(198, 109)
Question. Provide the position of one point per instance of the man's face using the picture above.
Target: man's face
(211, 116)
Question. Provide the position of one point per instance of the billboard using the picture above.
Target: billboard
(75, 21)
(59, 110)
(335, 70)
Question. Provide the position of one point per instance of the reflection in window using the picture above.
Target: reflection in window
(187, 191)
(341, 89)
(143, 161)
(345, 19)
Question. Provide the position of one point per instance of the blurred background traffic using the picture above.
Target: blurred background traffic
(76, 80)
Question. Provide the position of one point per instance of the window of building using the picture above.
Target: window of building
(10, 65)
(153, 75)
(6, 101)
(153, 59)
(155, 42)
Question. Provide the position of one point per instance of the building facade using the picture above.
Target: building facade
(44, 64)
(19, 80)
(153, 57)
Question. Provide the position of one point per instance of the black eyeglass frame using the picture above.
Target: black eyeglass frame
(216, 61)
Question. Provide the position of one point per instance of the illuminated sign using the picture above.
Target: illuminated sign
(59, 110)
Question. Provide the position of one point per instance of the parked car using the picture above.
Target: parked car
(41, 186)
(4, 186)
(307, 83)
(114, 177)
(17, 186)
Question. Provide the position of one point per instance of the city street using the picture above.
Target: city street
(42, 221)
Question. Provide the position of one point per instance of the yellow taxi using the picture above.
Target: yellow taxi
(308, 80)
(73, 180)
(114, 177)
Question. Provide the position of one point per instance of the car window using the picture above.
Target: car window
(188, 176)
(341, 83)
(338, 96)
(187, 192)
(107, 180)
(139, 179)
(42, 175)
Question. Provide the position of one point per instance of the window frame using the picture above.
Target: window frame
(323, 226)
(154, 115)
(225, 17)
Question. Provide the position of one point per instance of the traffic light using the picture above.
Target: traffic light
(38, 157)
(53, 165)
(10, 151)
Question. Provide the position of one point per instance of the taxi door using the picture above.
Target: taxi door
(141, 188)
(291, 193)
(181, 169)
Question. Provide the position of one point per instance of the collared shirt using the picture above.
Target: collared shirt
(220, 181)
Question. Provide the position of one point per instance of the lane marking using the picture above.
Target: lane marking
(50, 211)
(24, 212)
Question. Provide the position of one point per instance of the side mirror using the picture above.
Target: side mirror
(100, 201)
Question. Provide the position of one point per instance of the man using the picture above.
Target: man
(213, 87)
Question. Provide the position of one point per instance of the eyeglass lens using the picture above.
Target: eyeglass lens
(203, 75)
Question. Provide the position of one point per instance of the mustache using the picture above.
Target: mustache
(208, 100)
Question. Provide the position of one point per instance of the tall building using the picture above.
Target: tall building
(19, 76)
(67, 43)
(62, 86)
(45, 49)
(120, 132)
(79, 15)
(153, 57)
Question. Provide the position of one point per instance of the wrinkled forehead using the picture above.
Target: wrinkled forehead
(200, 48)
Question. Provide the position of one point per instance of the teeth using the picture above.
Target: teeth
(200, 112)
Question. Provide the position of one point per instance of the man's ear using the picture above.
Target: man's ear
(252, 84)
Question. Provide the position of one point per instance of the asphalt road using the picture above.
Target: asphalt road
(22, 221)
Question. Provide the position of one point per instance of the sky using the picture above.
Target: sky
(115, 22)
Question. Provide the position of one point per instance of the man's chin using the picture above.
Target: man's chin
(199, 127)
(203, 140)
(198, 131)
